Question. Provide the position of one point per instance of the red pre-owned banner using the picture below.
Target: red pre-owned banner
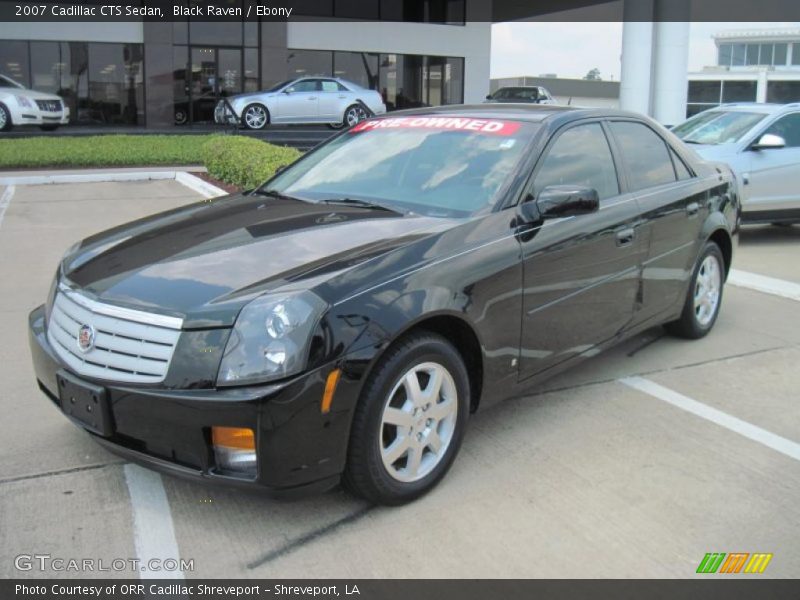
(492, 126)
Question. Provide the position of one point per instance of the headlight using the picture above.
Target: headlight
(271, 338)
(23, 101)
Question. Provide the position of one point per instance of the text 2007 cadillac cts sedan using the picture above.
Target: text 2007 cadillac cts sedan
(342, 321)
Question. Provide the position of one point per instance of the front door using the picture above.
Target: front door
(299, 102)
(773, 178)
(580, 273)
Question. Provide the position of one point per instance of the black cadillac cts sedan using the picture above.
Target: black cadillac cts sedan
(342, 321)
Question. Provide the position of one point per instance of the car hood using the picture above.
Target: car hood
(205, 261)
(34, 95)
(714, 152)
(251, 96)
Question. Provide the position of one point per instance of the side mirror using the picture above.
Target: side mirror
(288, 90)
(768, 141)
(488, 96)
(558, 201)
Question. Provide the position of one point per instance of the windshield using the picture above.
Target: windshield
(436, 166)
(717, 126)
(278, 86)
(6, 82)
(516, 94)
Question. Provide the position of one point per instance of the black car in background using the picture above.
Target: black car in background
(342, 321)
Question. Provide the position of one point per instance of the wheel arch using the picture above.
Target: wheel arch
(722, 238)
(457, 330)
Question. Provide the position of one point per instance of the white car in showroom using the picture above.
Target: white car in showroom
(327, 100)
(761, 143)
(21, 106)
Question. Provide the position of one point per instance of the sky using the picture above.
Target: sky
(538, 48)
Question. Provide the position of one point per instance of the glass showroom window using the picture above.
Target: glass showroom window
(739, 91)
(358, 67)
(14, 61)
(783, 92)
(305, 63)
(702, 96)
(116, 92)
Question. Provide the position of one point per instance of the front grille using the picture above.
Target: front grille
(49, 105)
(125, 349)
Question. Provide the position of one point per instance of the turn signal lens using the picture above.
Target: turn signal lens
(330, 390)
(235, 449)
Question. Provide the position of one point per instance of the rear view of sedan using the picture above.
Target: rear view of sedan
(332, 101)
(21, 106)
(343, 321)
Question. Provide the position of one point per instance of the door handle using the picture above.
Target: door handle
(692, 209)
(625, 237)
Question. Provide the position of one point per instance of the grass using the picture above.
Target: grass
(102, 151)
(237, 160)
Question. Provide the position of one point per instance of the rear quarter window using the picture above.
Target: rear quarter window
(646, 155)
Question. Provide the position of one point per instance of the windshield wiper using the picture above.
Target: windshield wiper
(274, 194)
(359, 203)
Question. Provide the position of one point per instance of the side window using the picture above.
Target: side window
(580, 156)
(307, 85)
(645, 153)
(330, 86)
(680, 167)
(788, 128)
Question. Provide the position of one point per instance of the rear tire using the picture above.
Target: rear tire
(704, 296)
(5, 118)
(353, 115)
(405, 435)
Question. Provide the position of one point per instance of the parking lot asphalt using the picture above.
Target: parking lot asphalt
(635, 464)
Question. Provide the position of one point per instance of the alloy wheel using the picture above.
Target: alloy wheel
(418, 422)
(354, 115)
(255, 117)
(707, 290)
(3, 118)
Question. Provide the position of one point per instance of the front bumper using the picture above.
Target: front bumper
(34, 116)
(299, 449)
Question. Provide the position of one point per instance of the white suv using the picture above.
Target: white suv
(761, 143)
(21, 106)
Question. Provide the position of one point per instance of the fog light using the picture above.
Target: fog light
(235, 449)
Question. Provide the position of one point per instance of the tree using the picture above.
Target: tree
(593, 75)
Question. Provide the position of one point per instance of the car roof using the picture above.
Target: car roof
(517, 111)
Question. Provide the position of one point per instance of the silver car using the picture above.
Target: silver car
(330, 100)
(761, 143)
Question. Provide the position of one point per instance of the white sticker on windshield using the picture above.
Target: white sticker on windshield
(506, 144)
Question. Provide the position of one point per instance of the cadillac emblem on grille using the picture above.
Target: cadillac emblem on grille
(86, 338)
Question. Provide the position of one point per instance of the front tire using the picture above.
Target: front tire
(255, 116)
(5, 118)
(409, 422)
(704, 297)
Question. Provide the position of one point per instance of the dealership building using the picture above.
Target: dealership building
(156, 74)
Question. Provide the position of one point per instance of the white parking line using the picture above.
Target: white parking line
(748, 430)
(5, 200)
(153, 531)
(767, 285)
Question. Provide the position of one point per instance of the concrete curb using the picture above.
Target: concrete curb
(205, 189)
(198, 185)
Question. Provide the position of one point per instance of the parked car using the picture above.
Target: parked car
(21, 106)
(336, 102)
(343, 320)
(761, 143)
(526, 94)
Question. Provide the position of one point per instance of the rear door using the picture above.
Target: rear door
(580, 273)
(331, 101)
(674, 206)
(773, 178)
